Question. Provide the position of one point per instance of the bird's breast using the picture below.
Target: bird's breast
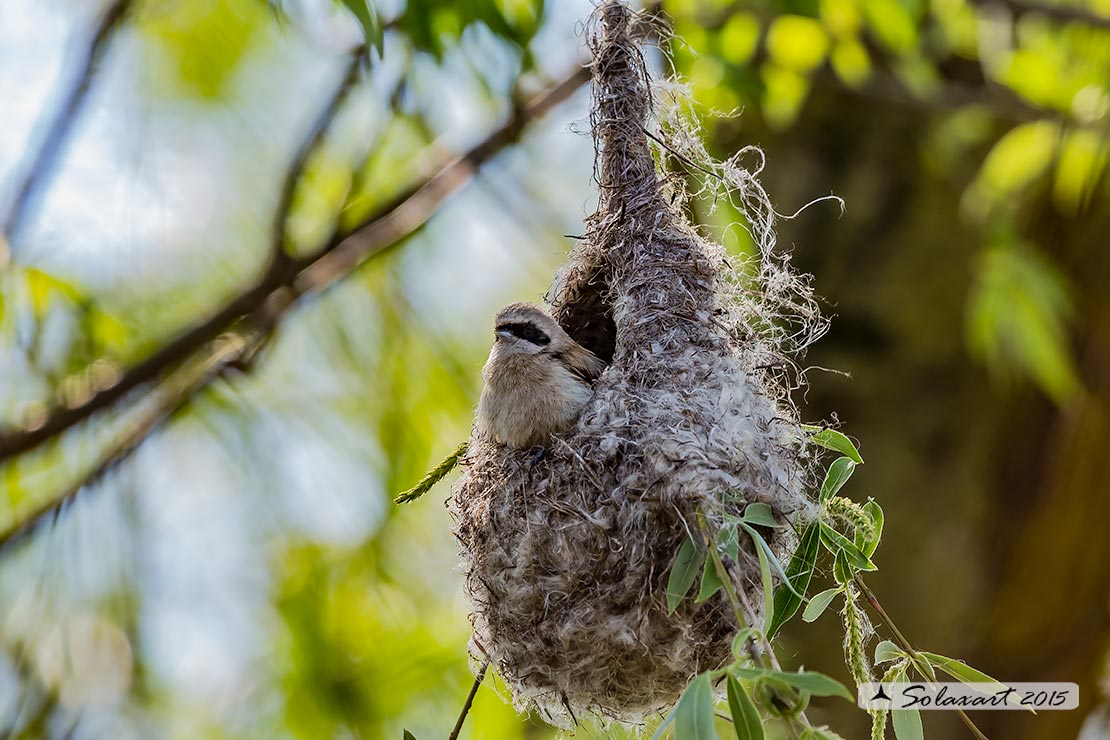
(525, 400)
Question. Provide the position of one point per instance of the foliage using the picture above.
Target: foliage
(771, 59)
(244, 571)
(758, 694)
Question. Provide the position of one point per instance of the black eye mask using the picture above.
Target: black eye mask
(527, 331)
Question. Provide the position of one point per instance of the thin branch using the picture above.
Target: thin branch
(308, 146)
(410, 210)
(60, 125)
(762, 654)
(267, 304)
(469, 702)
(163, 403)
(280, 267)
(922, 665)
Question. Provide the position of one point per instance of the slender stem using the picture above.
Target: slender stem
(761, 654)
(742, 616)
(60, 125)
(469, 701)
(873, 601)
(275, 295)
(921, 663)
(348, 248)
(766, 643)
(971, 725)
(152, 412)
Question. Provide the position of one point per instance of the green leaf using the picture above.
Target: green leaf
(842, 572)
(797, 42)
(768, 587)
(892, 23)
(887, 651)
(662, 728)
(961, 671)
(761, 514)
(838, 474)
(836, 542)
(1078, 170)
(818, 604)
(817, 684)
(1019, 312)
(958, 670)
(367, 16)
(739, 37)
(766, 560)
(831, 439)
(409, 736)
(728, 543)
(1019, 157)
(684, 571)
(874, 511)
(812, 682)
(738, 641)
(799, 572)
(710, 582)
(693, 715)
(774, 561)
(907, 722)
(745, 717)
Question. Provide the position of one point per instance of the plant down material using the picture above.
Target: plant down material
(567, 559)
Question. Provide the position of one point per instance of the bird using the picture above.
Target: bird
(536, 381)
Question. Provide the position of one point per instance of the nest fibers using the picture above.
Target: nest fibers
(567, 561)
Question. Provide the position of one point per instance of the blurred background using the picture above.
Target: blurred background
(227, 562)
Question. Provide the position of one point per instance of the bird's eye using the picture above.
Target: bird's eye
(527, 331)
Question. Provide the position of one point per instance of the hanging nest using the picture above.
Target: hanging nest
(567, 559)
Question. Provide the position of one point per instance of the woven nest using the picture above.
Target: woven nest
(566, 560)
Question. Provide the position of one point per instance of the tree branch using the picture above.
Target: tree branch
(279, 268)
(308, 146)
(60, 126)
(920, 663)
(270, 299)
(469, 702)
(163, 403)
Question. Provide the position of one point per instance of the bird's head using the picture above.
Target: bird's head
(522, 328)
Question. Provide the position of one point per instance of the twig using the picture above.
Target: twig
(60, 125)
(61, 417)
(343, 253)
(409, 211)
(762, 655)
(433, 476)
(309, 145)
(469, 701)
(903, 643)
(743, 617)
(164, 402)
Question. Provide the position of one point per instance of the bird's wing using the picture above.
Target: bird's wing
(581, 362)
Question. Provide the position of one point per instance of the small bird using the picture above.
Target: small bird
(537, 379)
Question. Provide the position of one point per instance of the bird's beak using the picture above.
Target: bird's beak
(503, 334)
